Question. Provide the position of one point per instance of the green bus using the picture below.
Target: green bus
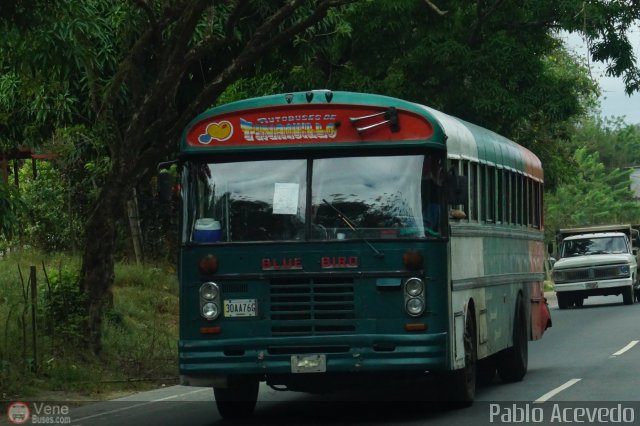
(331, 239)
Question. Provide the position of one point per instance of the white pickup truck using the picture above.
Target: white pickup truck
(596, 261)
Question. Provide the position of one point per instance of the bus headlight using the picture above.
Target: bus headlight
(209, 303)
(210, 311)
(414, 287)
(415, 296)
(209, 291)
(415, 306)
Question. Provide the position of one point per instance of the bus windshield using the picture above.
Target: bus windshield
(314, 199)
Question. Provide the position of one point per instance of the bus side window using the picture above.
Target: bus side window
(431, 186)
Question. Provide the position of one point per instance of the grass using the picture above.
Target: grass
(139, 333)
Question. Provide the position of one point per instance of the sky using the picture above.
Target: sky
(614, 102)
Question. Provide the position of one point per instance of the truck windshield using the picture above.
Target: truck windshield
(599, 245)
(382, 197)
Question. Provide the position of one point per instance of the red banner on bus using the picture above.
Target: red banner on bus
(309, 125)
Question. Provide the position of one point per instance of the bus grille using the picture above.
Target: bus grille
(312, 306)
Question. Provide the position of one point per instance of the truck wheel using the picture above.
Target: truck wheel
(513, 361)
(238, 400)
(563, 301)
(627, 296)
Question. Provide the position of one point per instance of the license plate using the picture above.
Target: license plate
(308, 363)
(592, 285)
(240, 308)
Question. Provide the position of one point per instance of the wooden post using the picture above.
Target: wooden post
(16, 180)
(5, 169)
(34, 307)
(134, 225)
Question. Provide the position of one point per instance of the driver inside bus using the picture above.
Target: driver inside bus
(430, 189)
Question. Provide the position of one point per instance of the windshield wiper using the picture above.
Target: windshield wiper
(350, 224)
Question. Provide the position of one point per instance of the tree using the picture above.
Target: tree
(593, 196)
(617, 143)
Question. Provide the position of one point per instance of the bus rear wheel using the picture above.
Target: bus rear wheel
(238, 400)
(514, 361)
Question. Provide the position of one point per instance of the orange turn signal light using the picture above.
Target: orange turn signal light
(416, 327)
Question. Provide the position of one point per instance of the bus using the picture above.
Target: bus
(333, 239)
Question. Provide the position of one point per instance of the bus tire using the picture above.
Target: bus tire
(238, 400)
(461, 384)
(486, 370)
(514, 361)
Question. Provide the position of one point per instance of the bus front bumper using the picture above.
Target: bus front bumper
(210, 362)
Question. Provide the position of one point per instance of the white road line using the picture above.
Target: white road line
(626, 348)
(142, 404)
(557, 390)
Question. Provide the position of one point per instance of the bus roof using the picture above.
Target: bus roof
(325, 119)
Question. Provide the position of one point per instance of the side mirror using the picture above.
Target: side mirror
(550, 248)
(457, 189)
(165, 186)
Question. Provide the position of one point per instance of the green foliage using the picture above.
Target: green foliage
(64, 305)
(617, 143)
(265, 84)
(50, 220)
(51, 56)
(11, 205)
(60, 197)
(594, 195)
(140, 329)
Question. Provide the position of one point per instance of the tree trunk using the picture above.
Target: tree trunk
(97, 272)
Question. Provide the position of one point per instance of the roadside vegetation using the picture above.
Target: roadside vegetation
(140, 330)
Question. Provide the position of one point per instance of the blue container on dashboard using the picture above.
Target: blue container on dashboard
(207, 230)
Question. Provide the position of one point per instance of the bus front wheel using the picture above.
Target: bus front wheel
(461, 384)
(238, 400)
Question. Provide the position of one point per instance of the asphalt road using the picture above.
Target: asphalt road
(585, 369)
